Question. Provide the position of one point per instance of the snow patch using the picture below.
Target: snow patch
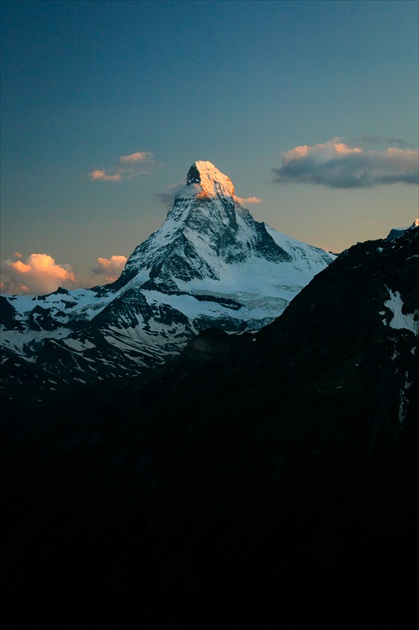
(75, 344)
(400, 320)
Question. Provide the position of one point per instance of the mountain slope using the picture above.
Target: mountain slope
(255, 480)
(210, 264)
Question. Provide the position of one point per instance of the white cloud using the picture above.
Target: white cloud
(128, 167)
(38, 274)
(337, 165)
(111, 267)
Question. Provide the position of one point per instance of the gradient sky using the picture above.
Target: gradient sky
(106, 104)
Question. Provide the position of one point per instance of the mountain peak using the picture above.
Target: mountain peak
(396, 232)
(210, 180)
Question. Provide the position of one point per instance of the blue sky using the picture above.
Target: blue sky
(241, 84)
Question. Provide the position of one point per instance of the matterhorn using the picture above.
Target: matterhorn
(210, 265)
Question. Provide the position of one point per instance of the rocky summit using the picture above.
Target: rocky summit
(209, 265)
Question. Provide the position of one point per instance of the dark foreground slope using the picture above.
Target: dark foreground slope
(263, 481)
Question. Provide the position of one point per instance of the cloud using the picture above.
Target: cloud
(337, 165)
(100, 174)
(136, 157)
(394, 142)
(245, 200)
(167, 198)
(111, 267)
(128, 167)
(38, 274)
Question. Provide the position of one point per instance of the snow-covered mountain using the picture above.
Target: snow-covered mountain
(209, 265)
(256, 480)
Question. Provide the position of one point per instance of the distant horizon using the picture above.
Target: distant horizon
(310, 108)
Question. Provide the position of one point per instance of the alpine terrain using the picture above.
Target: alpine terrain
(262, 480)
(209, 265)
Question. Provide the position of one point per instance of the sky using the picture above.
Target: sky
(311, 109)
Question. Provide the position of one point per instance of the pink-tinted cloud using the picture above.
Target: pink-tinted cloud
(325, 151)
(111, 267)
(128, 166)
(139, 156)
(337, 165)
(38, 274)
(101, 175)
(244, 200)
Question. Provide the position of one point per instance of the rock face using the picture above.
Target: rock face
(209, 265)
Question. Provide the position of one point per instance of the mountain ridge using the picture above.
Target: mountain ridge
(260, 479)
(209, 264)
